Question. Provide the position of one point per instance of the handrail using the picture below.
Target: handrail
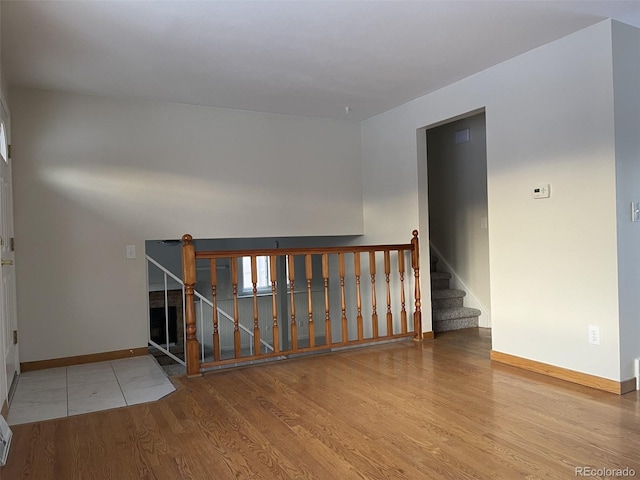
(209, 254)
(205, 300)
(189, 257)
(177, 279)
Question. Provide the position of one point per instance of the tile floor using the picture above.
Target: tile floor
(66, 391)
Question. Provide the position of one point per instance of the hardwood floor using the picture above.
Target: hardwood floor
(436, 410)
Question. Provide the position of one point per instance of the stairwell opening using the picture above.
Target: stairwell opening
(456, 160)
(165, 292)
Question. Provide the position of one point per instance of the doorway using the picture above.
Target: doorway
(8, 316)
(458, 207)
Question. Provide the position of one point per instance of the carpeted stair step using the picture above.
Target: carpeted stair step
(455, 318)
(448, 298)
(440, 280)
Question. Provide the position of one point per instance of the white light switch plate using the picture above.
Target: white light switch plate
(131, 252)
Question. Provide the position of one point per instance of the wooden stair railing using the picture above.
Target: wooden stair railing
(189, 256)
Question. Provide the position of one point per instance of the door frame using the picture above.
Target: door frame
(9, 351)
(423, 213)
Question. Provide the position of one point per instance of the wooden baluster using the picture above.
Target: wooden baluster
(343, 301)
(294, 325)
(189, 278)
(403, 311)
(374, 314)
(236, 319)
(274, 305)
(256, 325)
(415, 260)
(387, 272)
(327, 318)
(359, 322)
(214, 296)
(309, 271)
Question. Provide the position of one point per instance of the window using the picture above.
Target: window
(263, 269)
(3, 143)
(264, 273)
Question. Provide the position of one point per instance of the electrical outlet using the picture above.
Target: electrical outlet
(594, 335)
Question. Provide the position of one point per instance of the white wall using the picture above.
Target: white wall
(95, 174)
(549, 119)
(626, 68)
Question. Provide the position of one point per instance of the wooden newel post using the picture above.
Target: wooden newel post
(415, 263)
(189, 278)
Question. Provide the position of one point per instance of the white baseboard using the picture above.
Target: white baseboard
(456, 283)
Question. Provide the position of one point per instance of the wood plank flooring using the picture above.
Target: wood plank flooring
(436, 410)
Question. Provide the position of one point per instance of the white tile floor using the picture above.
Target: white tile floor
(66, 391)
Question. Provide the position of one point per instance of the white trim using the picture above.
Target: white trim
(458, 284)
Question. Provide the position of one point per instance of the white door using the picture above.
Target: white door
(8, 317)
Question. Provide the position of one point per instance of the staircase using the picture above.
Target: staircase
(447, 305)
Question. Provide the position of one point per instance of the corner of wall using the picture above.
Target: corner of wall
(626, 78)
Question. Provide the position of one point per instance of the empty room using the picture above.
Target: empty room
(319, 239)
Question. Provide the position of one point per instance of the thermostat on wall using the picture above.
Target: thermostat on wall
(542, 191)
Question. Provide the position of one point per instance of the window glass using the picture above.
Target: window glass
(264, 274)
(3, 143)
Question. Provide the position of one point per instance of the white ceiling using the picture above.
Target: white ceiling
(294, 57)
